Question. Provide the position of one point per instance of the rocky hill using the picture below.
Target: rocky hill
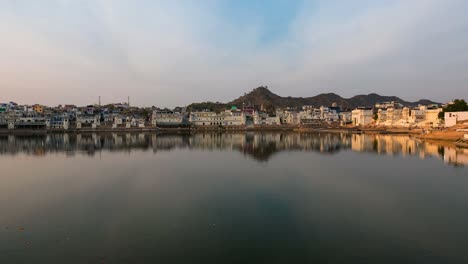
(263, 96)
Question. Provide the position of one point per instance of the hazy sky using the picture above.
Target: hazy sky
(169, 53)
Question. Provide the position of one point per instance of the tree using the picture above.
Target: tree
(457, 105)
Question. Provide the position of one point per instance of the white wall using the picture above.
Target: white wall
(451, 118)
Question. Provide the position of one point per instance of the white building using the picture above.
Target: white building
(88, 121)
(204, 119)
(137, 122)
(346, 118)
(226, 118)
(452, 118)
(265, 119)
(406, 117)
(291, 117)
(417, 115)
(234, 118)
(58, 122)
(432, 117)
(167, 118)
(362, 116)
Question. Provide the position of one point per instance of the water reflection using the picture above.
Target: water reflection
(259, 146)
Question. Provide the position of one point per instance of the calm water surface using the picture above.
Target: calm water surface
(232, 198)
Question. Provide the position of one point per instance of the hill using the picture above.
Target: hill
(263, 96)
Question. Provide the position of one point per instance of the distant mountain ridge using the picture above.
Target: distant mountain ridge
(263, 96)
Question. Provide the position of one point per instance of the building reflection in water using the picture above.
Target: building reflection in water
(259, 146)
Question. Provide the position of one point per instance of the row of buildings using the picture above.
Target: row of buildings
(395, 115)
(250, 116)
(387, 114)
(15, 116)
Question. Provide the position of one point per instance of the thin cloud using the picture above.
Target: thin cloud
(171, 53)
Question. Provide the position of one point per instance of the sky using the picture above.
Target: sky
(173, 52)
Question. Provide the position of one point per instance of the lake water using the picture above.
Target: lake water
(232, 198)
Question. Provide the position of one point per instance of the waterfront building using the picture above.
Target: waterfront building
(118, 121)
(204, 119)
(394, 114)
(453, 118)
(92, 121)
(167, 118)
(291, 117)
(226, 118)
(234, 117)
(406, 117)
(324, 111)
(345, 118)
(57, 122)
(109, 117)
(381, 116)
(261, 118)
(137, 121)
(331, 114)
(432, 118)
(417, 115)
(362, 116)
(30, 120)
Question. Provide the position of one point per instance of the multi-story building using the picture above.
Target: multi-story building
(136, 121)
(92, 121)
(29, 120)
(362, 116)
(417, 115)
(452, 118)
(226, 118)
(394, 114)
(204, 119)
(345, 118)
(58, 122)
(264, 119)
(291, 117)
(167, 118)
(432, 117)
(234, 117)
(407, 117)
